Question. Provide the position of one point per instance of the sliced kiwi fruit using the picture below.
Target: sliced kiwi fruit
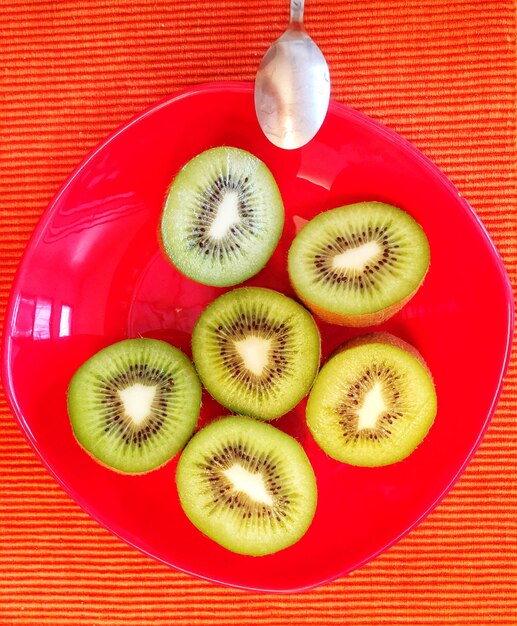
(373, 402)
(256, 351)
(134, 404)
(247, 485)
(223, 217)
(359, 264)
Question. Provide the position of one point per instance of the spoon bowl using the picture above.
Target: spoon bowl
(292, 86)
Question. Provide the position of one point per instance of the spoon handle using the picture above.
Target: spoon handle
(297, 7)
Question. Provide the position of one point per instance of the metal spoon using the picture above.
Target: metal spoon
(292, 86)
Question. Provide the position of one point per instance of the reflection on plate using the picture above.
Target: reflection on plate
(93, 274)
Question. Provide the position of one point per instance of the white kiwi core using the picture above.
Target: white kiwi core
(227, 215)
(250, 483)
(254, 352)
(137, 400)
(357, 258)
(372, 408)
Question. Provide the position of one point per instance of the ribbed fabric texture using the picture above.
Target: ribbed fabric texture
(440, 72)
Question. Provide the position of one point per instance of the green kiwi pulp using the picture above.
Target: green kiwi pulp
(358, 264)
(373, 402)
(223, 217)
(256, 351)
(134, 404)
(247, 485)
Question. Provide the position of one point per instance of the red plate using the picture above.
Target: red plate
(93, 274)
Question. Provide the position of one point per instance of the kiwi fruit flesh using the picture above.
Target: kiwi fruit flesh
(247, 485)
(223, 217)
(357, 265)
(373, 401)
(134, 404)
(256, 351)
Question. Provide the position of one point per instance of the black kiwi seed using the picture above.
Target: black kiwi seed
(240, 329)
(347, 409)
(325, 272)
(205, 216)
(220, 484)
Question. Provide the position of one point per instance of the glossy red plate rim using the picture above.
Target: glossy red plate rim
(336, 109)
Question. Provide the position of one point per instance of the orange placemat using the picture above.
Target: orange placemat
(443, 74)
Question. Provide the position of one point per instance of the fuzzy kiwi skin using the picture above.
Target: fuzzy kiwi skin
(402, 453)
(356, 321)
(382, 337)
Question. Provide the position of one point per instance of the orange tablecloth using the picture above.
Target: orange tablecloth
(440, 72)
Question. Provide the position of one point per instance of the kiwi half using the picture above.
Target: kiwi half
(373, 402)
(247, 485)
(256, 351)
(134, 404)
(223, 217)
(358, 265)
